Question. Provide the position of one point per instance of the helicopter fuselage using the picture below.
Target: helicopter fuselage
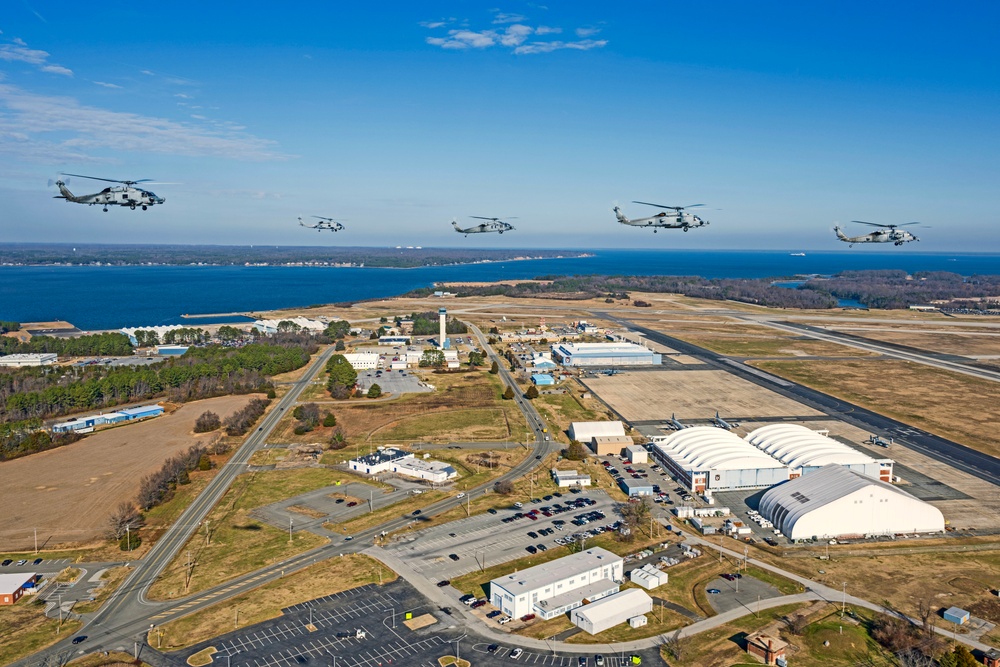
(663, 220)
(124, 195)
(894, 236)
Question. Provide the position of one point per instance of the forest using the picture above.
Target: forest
(92, 345)
(897, 289)
(760, 291)
(122, 255)
(428, 324)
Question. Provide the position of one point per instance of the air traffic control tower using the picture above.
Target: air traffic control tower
(443, 333)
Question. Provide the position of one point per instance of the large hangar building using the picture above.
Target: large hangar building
(804, 451)
(705, 458)
(604, 354)
(835, 501)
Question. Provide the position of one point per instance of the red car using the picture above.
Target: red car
(352, 504)
(478, 603)
(528, 617)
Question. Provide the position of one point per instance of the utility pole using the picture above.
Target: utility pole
(190, 570)
(290, 530)
(208, 532)
(128, 537)
(843, 603)
(371, 501)
(36, 540)
(236, 621)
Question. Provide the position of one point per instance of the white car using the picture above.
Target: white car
(516, 653)
(461, 495)
(504, 620)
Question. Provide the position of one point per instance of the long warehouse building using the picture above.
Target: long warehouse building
(706, 458)
(804, 450)
(604, 354)
(835, 502)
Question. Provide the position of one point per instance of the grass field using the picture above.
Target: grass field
(459, 425)
(558, 410)
(24, 629)
(954, 406)
(325, 578)
(109, 659)
(772, 346)
(239, 543)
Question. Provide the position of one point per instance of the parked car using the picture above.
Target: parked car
(453, 556)
(491, 511)
(494, 613)
(22, 562)
(339, 500)
(532, 534)
(352, 504)
(528, 617)
(478, 603)
(6, 562)
(542, 547)
(493, 648)
(516, 653)
(443, 583)
(503, 620)
(531, 550)
(713, 591)
(467, 598)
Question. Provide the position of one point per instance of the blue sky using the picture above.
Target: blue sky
(782, 118)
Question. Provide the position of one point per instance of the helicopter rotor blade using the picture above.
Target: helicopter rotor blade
(872, 224)
(479, 217)
(94, 178)
(646, 203)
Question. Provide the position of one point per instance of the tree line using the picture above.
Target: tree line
(92, 345)
(893, 289)
(757, 291)
(428, 324)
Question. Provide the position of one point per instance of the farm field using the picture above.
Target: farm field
(93, 475)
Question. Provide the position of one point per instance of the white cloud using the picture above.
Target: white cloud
(548, 47)
(502, 17)
(147, 72)
(514, 36)
(183, 96)
(43, 128)
(106, 84)
(18, 51)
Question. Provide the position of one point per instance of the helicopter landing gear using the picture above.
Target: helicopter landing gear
(686, 228)
(143, 207)
(655, 230)
(132, 206)
(105, 209)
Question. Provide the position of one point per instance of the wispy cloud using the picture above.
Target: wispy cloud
(548, 47)
(105, 84)
(502, 17)
(43, 128)
(514, 36)
(18, 51)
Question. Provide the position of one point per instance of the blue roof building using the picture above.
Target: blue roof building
(542, 379)
(142, 412)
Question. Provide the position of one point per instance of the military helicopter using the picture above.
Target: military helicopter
(494, 225)
(324, 223)
(125, 194)
(884, 234)
(675, 219)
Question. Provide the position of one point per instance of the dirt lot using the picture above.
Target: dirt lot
(67, 493)
(646, 395)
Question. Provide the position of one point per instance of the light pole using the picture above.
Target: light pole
(36, 540)
(290, 530)
(843, 603)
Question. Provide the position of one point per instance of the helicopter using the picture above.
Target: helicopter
(884, 234)
(324, 223)
(494, 225)
(675, 219)
(125, 194)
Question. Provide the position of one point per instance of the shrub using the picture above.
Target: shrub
(129, 542)
(508, 395)
(374, 391)
(504, 487)
(532, 392)
(204, 463)
(329, 420)
(208, 421)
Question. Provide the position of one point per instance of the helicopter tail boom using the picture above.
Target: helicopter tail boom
(621, 216)
(840, 234)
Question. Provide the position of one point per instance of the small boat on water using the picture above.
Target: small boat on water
(797, 254)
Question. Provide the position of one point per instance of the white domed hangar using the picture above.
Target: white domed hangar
(804, 450)
(835, 502)
(706, 458)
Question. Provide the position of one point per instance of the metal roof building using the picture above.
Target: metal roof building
(604, 354)
(837, 502)
(586, 431)
(609, 612)
(804, 450)
(39, 359)
(553, 588)
(705, 457)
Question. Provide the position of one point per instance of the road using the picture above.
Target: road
(129, 601)
(958, 456)
(127, 615)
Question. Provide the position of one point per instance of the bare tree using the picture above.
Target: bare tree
(677, 645)
(126, 517)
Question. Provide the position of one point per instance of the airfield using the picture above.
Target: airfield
(739, 360)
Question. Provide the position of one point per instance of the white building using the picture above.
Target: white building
(708, 458)
(604, 354)
(609, 612)
(553, 588)
(837, 502)
(648, 576)
(304, 323)
(804, 450)
(20, 360)
(587, 431)
(432, 471)
(362, 361)
(160, 331)
(636, 454)
(381, 461)
(567, 478)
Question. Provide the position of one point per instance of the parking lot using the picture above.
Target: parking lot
(743, 592)
(392, 382)
(486, 537)
(324, 631)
